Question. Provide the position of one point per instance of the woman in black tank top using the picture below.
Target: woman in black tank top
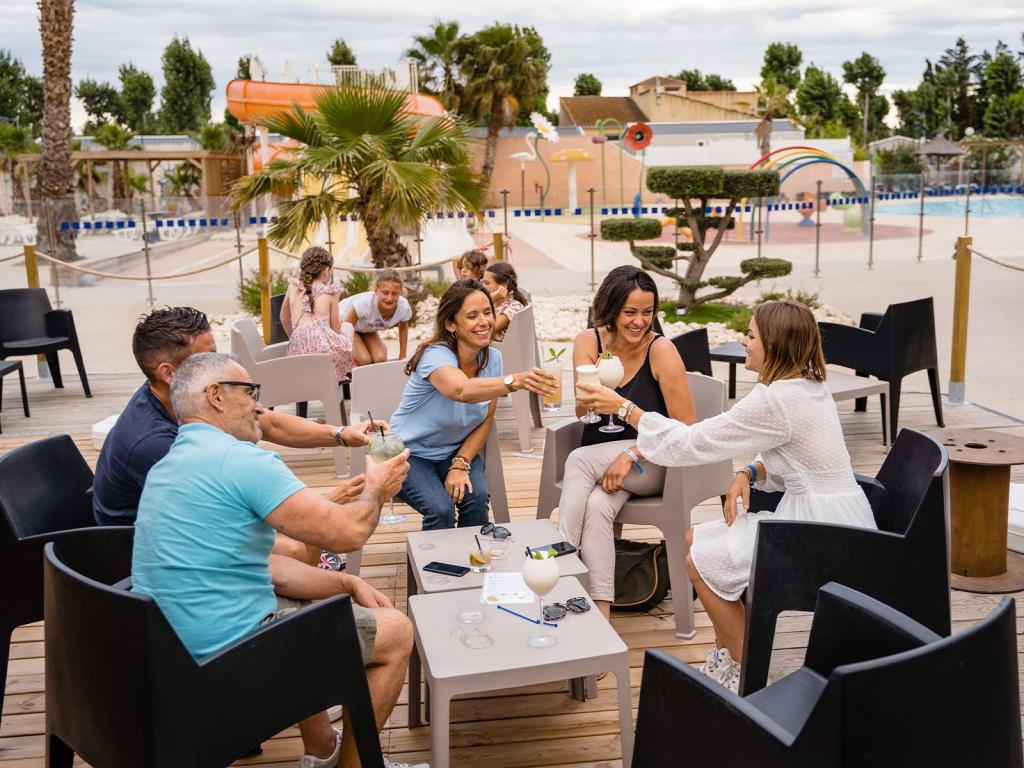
(606, 469)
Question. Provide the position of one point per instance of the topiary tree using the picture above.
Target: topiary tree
(696, 187)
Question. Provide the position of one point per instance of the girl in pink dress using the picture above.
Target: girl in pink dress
(310, 314)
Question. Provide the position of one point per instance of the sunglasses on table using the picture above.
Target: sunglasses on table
(497, 531)
(557, 611)
(253, 387)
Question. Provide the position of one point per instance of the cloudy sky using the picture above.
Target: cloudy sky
(620, 42)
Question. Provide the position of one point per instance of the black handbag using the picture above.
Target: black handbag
(641, 575)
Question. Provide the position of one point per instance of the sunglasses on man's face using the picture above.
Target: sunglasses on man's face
(557, 611)
(497, 531)
(253, 387)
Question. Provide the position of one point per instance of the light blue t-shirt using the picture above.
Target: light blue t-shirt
(433, 426)
(201, 543)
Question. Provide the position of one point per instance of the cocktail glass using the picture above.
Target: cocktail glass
(553, 402)
(611, 373)
(587, 374)
(384, 446)
(479, 556)
(540, 573)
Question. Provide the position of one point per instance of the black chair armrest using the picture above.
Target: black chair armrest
(850, 627)
(850, 347)
(872, 488)
(60, 322)
(114, 541)
(870, 321)
(686, 719)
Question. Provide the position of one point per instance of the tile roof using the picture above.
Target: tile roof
(587, 110)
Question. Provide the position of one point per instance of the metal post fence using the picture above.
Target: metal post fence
(760, 221)
(592, 236)
(967, 207)
(264, 252)
(504, 207)
(145, 250)
(817, 230)
(238, 245)
(961, 303)
(920, 220)
(871, 229)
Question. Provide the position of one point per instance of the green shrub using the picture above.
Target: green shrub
(801, 296)
(436, 288)
(622, 230)
(679, 183)
(746, 184)
(249, 290)
(761, 268)
(735, 316)
(661, 256)
(356, 282)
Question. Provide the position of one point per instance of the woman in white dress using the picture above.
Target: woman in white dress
(789, 424)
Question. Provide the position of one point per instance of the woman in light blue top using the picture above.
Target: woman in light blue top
(455, 379)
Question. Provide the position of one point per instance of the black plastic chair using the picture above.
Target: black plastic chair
(8, 367)
(905, 563)
(899, 343)
(876, 689)
(29, 325)
(277, 334)
(694, 349)
(122, 690)
(45, 494)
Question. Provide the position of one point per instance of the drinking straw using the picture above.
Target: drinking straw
(527, 618)
(381, 427)
(478, 545)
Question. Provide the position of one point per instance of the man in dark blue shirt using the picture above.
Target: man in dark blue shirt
(146, 429)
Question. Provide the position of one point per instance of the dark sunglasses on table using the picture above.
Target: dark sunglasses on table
(254, 388)
(497, 531)
(557, 611)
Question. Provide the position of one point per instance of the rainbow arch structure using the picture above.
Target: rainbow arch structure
(789, 160)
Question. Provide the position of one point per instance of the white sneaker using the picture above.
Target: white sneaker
(731, 679)
(334, 713)
(312, 761)
(389, 764)
(718, 664)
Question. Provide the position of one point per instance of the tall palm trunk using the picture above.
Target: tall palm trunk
(491, 150)
(55, 183)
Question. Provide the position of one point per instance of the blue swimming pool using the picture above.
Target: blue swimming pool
(1006, 207)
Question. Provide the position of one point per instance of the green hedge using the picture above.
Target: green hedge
(658, 255)
(679, 183)
(686, 246)
(621, 230)
(761, 268)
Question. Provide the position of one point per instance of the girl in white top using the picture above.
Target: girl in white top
(790, 422)
(374, 311)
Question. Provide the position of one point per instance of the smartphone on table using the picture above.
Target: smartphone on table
(557, 549)
(446, 569)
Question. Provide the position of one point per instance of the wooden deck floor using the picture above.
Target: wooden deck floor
(535, 726)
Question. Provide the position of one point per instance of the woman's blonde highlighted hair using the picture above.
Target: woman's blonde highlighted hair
(791, 341)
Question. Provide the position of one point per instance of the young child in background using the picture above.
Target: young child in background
(310, 311)
(503, 285)
(471, 264)
(374, 311)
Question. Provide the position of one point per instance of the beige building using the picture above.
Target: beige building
(658, 100)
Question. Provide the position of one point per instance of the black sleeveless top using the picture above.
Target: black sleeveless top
(642, 389)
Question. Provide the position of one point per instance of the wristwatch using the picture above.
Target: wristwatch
(338, 435)
(623, 408)
(508, 381)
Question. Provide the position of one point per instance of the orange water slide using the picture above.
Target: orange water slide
(251, 101)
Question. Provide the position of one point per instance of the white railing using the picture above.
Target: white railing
(403, 77)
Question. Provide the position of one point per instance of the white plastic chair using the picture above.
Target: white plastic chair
(378, 389)
(294, 379)
(519, 353)
(685, 488)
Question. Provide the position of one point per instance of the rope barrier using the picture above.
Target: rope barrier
(142, 278)
(413, 268)
(1008, 265)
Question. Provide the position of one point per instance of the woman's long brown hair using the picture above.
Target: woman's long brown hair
(448, 307)
(791, 341)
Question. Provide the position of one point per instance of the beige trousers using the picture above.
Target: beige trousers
(586, 514)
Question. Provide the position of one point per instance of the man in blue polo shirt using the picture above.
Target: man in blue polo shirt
(206, 526)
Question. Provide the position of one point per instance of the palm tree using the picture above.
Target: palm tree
(772, 102)
(55, 180)
(436, 55)
(182, 178)
(114, 137)
(362, 153)
(501, 70)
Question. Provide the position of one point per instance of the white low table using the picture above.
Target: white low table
(845, 386)
(587, 645)
(452, 546)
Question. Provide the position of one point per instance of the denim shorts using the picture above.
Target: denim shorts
(366, 621)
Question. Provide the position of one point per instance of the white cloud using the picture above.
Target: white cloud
(619, 42)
